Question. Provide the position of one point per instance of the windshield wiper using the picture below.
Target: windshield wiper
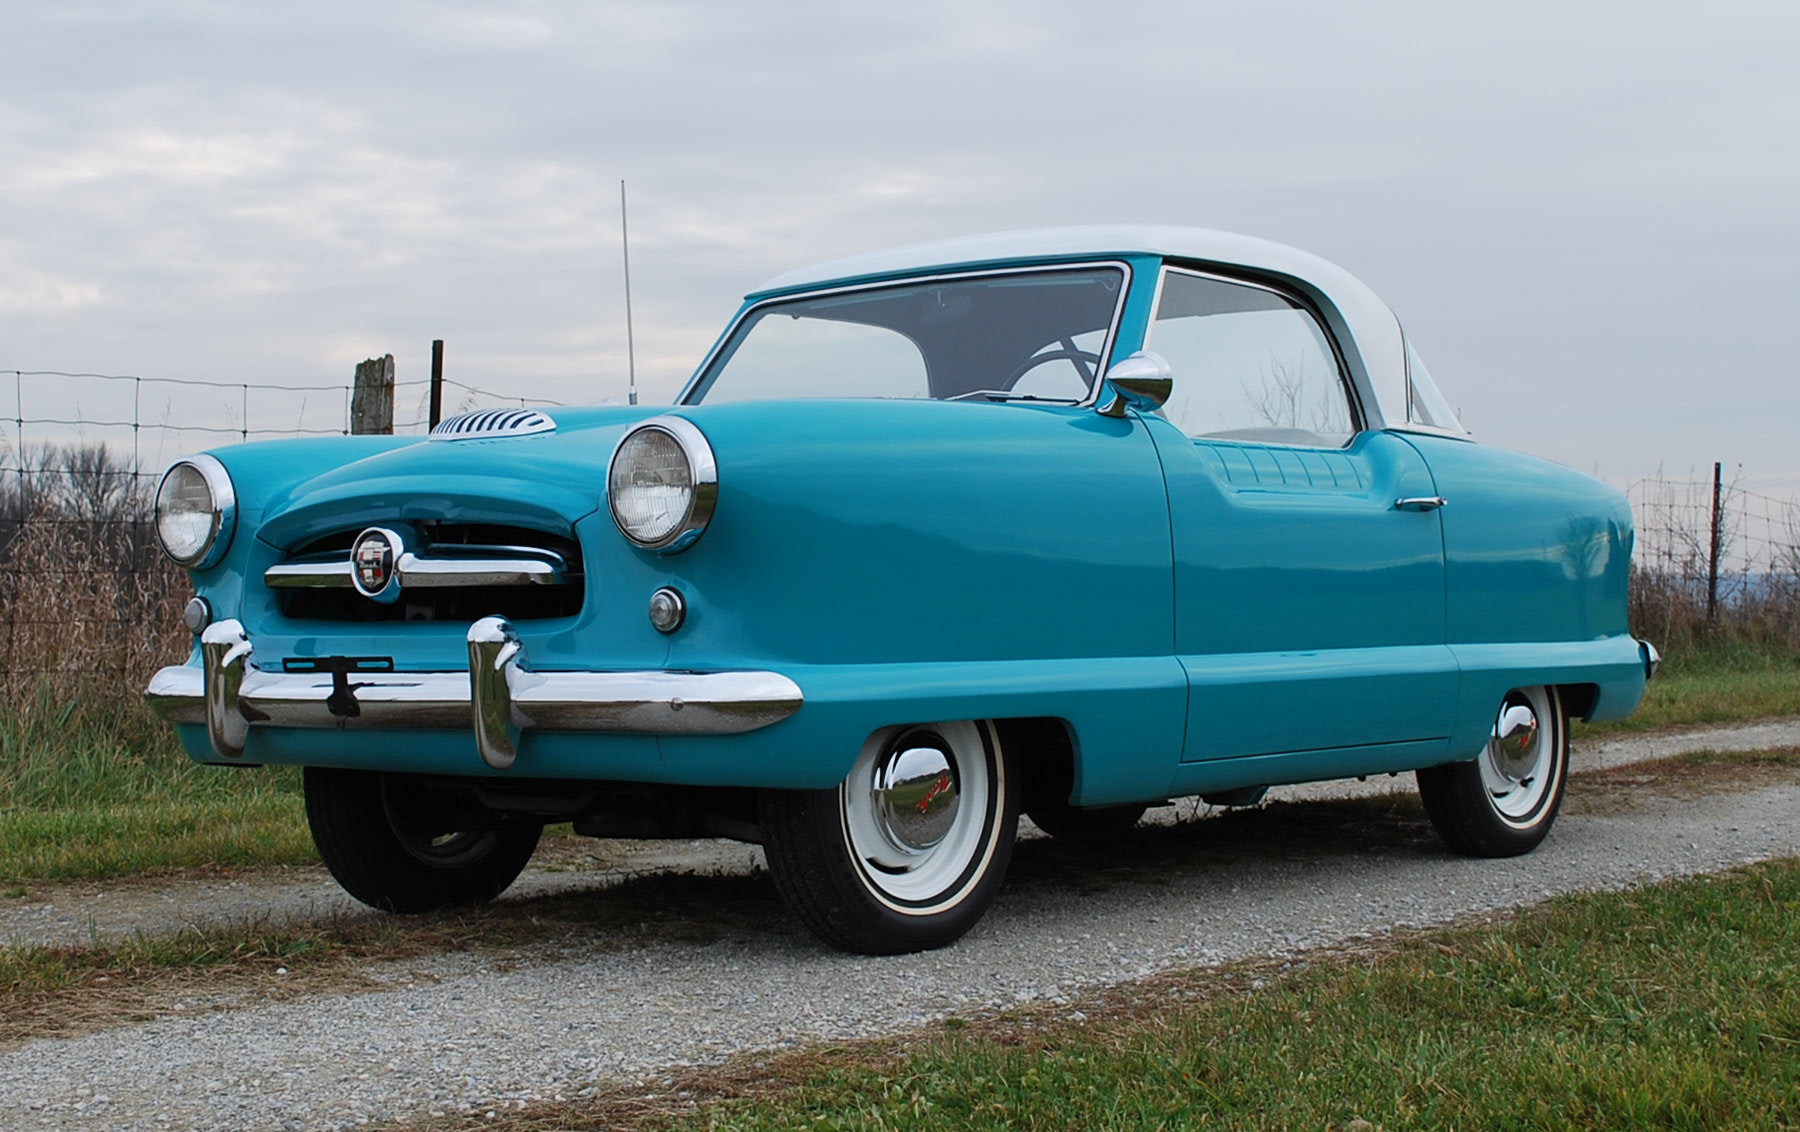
(1006, 395)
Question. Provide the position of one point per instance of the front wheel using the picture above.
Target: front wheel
(1503, 803)
(909, 850)
(402, 844)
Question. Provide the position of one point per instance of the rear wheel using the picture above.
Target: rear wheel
(402, 844)
(1503, 803)
(907, 853)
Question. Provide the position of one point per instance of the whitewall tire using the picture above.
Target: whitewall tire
(909, 850)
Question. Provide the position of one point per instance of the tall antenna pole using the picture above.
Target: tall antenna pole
(630, 346)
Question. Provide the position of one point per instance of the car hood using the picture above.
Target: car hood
(547, 479)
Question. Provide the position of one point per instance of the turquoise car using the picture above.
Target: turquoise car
(1058, 523)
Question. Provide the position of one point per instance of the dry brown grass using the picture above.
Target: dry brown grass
(1620, 789)
(89, 602)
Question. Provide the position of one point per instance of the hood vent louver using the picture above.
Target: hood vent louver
(493, 422)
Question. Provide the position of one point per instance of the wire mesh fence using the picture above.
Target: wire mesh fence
(1714, 558)
(88, 603)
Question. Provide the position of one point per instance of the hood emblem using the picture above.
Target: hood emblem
(374, 564)
(493, 422)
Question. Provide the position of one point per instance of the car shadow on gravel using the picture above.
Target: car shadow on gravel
(660, 908)
(1156, 853)
(672, 906)
(701, 909)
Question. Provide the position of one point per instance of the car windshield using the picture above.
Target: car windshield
(1015, 336)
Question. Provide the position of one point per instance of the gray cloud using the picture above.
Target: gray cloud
(1584, 217)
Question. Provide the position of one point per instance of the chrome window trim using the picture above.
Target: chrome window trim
(1354, 396)
(218, 482)
(1429, 430)
(1106, 351)
(1407, 423)
(705, 468)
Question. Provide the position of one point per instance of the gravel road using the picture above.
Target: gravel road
(462, 1035)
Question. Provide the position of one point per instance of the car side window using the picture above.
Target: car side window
(1249, 364)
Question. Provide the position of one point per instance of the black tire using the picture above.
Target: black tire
(399, 844)
(1503, 803)
(1074, 823)
(872, 865)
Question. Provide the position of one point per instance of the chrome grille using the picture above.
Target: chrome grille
(495, 570)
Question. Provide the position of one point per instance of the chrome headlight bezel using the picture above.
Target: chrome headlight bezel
(223, 510)
(703, 477)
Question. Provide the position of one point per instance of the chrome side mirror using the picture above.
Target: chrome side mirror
(1142, 381)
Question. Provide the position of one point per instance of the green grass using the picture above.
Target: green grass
(1715, 682)
(92, 789)
(1674, 1006)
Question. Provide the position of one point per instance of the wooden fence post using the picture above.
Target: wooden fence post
(372, 399)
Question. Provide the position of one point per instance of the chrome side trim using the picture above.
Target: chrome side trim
(498, 697)
(417, 571)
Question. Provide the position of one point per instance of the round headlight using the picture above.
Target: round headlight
(662, 484)
(195, 511)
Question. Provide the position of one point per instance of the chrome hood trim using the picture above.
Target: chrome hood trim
(493, 422)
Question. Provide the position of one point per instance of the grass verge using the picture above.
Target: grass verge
(1669, 1006)
(92, 789)
(1717, 681)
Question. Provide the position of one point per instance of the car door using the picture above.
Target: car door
(1309, 599)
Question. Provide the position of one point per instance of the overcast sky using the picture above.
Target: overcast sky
(1586, 214)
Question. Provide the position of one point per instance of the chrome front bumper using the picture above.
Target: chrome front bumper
(498, 696)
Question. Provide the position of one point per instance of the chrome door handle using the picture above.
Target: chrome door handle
(1419, 503)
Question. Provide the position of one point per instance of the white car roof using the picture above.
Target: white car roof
(1365, 327)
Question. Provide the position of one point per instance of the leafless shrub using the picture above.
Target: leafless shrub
(89, 606)
(1672, 596)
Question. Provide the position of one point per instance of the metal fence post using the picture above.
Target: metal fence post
(437, 382)
(372, 400)
(1712, 558)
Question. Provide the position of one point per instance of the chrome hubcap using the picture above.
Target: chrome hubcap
(1519, 765)
(1515, 737)
(915, 793)
(919, 813)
